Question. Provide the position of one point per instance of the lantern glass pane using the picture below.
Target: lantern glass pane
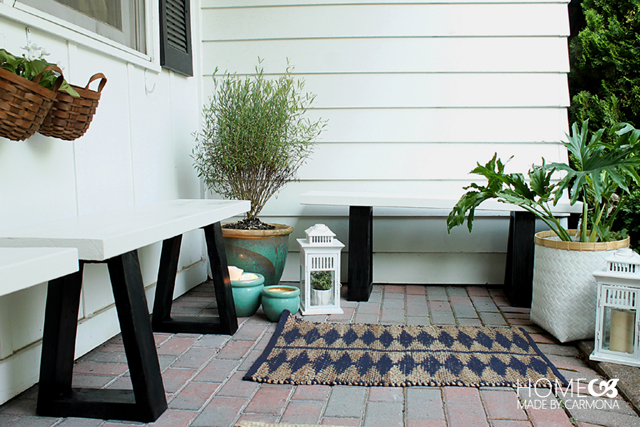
(619, 333)
(303, 281)
(322, 292)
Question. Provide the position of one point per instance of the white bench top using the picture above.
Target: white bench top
(404, 200)
(21, 268)
(99, 237)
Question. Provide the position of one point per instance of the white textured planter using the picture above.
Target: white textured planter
(320, 297)
(564, 289)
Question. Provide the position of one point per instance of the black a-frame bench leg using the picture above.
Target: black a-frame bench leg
(56, 397)
(360, 275)
(518, 281)
(227, 321)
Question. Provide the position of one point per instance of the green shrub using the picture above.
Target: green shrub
(605, 64)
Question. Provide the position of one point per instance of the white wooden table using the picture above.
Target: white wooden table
(114, 237)
(22, 268)
(519, 267)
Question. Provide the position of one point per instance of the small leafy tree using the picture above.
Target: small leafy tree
(255, 136)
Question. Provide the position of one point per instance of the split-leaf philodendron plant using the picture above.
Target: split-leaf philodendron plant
(598, 175)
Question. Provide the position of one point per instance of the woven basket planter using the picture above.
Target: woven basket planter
(70, 116)
(23, 104)
(564, 289)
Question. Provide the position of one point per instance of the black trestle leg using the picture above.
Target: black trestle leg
(518, 281)
(137, 337)
(166, 283)
(55, 396)
(221, 281)
(59, 341)
(360, 275)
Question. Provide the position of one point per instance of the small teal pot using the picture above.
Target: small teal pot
(246, 295)
(278, 298)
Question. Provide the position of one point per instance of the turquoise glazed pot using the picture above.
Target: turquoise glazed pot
(276, 299)
(246, 295)
(259, 251)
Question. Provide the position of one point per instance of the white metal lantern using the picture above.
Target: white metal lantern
(320, 271)
(617, 311)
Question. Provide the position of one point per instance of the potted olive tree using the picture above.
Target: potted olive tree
(254, 139)
(599, 175)
(321, 287)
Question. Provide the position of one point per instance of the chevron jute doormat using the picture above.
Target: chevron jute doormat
(302, 352)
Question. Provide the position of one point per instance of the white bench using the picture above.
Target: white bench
(519, 268)
(114, 237)
(22, 268)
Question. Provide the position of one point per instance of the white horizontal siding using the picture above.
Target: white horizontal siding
(415, 94)
(389, 55)
(437, 90)
(385, 20)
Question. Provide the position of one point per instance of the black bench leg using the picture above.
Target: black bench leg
(166, 283)
(360, 276)
(227, 321)
(221, 281)
(137, 337)
(55, 395)
(59, 341)
(518, 281)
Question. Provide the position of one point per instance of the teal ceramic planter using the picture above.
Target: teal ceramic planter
(259, 251)
(247, 295)
(276, 299)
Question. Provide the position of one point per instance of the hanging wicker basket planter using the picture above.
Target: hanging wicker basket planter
(564, 289)
(70, 117)
(24, 104)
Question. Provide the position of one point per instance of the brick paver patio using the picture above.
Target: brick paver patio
(203, 374)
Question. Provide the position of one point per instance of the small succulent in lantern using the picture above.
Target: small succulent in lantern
(320, 271)
(618, 290)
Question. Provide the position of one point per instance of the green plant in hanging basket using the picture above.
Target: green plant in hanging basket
(31, 64)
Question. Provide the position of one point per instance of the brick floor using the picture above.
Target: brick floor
(203, 374)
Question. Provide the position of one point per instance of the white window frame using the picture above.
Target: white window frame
(34, 18)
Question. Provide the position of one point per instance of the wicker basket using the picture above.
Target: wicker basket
(24, 104)
(70, 117)
(564, 289)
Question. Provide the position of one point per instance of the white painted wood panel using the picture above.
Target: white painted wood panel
(392, 55)
(385, 20)
(414, 161)
(423, 269)
(21, 268)
(265, 3)
(450, 90)
(444, 125)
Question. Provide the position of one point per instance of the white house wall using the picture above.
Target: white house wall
(415, 92)
(136, 151)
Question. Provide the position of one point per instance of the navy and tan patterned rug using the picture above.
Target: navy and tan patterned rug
(302, 352)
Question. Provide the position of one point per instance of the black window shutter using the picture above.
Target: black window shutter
(175, 36)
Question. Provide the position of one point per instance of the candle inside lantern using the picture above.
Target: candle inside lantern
(235, 273)
(622, 330)
(248, 276)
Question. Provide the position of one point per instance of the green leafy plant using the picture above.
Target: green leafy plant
(321, 280)
(598, 172)
(255, 136)
(628, 218)
(31, 64)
